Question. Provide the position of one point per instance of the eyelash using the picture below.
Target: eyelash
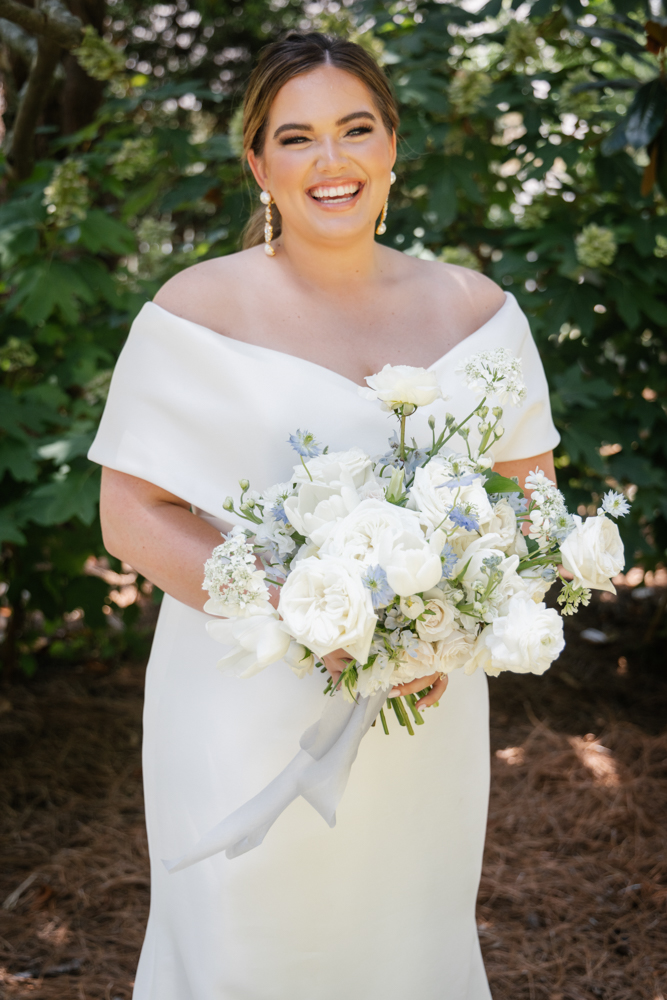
(299, 139)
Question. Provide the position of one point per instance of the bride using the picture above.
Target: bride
(232, 356)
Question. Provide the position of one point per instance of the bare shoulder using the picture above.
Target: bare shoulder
(198, 292)
(467, 297)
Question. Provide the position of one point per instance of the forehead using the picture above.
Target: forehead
(322, 96)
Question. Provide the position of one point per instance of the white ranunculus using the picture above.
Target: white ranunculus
(525, 640)
(454, 651)
(325, 605)
(330, 469)
(503, 524)
(593, 553)
(257, 642)
(411, 607)
(398, 385)
(413, 565)
(299, 659)
(369, 531)
(433, 500)
(437, 621)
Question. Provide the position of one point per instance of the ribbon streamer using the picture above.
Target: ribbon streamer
(319, 773)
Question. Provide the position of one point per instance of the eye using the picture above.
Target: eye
(293, 140)
(360, 130)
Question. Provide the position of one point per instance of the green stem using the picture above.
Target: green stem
(401, 450)
(412, 702)
(306, 468)
(397, 712)
(384, 722)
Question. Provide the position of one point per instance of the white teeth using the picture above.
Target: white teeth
(342, 191)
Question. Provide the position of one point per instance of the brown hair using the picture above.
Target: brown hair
(285, 59)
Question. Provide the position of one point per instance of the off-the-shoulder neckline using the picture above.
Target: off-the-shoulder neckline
(509, 299)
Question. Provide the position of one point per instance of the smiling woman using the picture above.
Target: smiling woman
(233, 355)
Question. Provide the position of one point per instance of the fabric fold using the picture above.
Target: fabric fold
(319, 773)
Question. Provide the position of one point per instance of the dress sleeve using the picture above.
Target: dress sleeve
(529, 428)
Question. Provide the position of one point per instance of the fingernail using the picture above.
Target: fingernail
(394, 694)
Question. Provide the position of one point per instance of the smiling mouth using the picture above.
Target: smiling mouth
(336, 194)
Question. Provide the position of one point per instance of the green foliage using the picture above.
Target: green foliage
(524, 147)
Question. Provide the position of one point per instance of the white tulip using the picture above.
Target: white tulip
(257, 642)
(325, 605)
(412, 566)
(398, 385)
(593, 553)
(299, 659)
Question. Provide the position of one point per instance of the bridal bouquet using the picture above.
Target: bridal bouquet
(413, 562)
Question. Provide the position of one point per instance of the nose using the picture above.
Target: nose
(331, 159)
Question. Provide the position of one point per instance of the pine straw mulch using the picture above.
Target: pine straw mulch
(574, 887)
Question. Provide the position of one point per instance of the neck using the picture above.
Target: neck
(332, 266)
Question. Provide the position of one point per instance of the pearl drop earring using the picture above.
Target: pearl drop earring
(382, 229)
(267, 200)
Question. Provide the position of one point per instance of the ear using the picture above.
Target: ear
(393, 149)
(256, 164)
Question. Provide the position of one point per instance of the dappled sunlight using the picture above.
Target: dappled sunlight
(597, 759)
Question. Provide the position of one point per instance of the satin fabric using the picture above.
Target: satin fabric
(383, 905)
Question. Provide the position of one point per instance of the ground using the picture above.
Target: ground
(573, 893)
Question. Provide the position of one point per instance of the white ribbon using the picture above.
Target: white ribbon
(319, 773)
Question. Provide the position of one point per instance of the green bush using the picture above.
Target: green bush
(534, 150)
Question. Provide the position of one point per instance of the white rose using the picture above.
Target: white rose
(368, 533)
(397, 385)
(316, 508)
(419, 662)
(325, 605)
(436, 622)
(433, 500)
(257, 642)
(593, 553)
(413, 565)
(454, 651)
(503, 524)
(329, 469)
(533, 584)
(471, 565)
(526, 640)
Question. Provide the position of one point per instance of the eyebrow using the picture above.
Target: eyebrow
(295, 126)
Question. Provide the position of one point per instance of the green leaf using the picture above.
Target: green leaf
(495, 483)
(646, 113)
(16, 458)
(75, 494)
(100, 231)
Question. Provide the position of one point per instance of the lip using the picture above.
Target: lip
(337, 203)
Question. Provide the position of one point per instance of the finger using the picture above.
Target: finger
(413, 686)
(434, 694)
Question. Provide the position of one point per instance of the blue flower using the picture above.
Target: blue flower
(460, 481)
(449, 560)
(304, 444)
(375, 579)
(278, 512)
(463, 520)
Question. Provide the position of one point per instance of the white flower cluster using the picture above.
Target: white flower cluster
(407, 562)
(495, 373)
(236, 587)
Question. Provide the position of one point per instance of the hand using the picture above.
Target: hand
(336, 663)
(436, 682)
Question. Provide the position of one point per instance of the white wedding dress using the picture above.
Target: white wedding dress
(381, 907)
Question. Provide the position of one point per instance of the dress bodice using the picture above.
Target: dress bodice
(194, 411)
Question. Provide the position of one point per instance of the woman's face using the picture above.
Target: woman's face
(327, 156)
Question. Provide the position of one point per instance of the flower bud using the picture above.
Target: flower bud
(431, 422)
(450, 419)
(497, 412)
(464, 432)
(408, 409)
(483, 412)
(228, 504)
(250, 503)
(244, 484)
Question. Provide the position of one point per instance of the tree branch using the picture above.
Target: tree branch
(18, 40)
(21, 156)
(52, 21)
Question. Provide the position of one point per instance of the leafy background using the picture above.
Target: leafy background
(533, 148)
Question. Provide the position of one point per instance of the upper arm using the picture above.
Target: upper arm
(522, 466)
(123, 496)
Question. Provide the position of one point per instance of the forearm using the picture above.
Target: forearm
(157, 535)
